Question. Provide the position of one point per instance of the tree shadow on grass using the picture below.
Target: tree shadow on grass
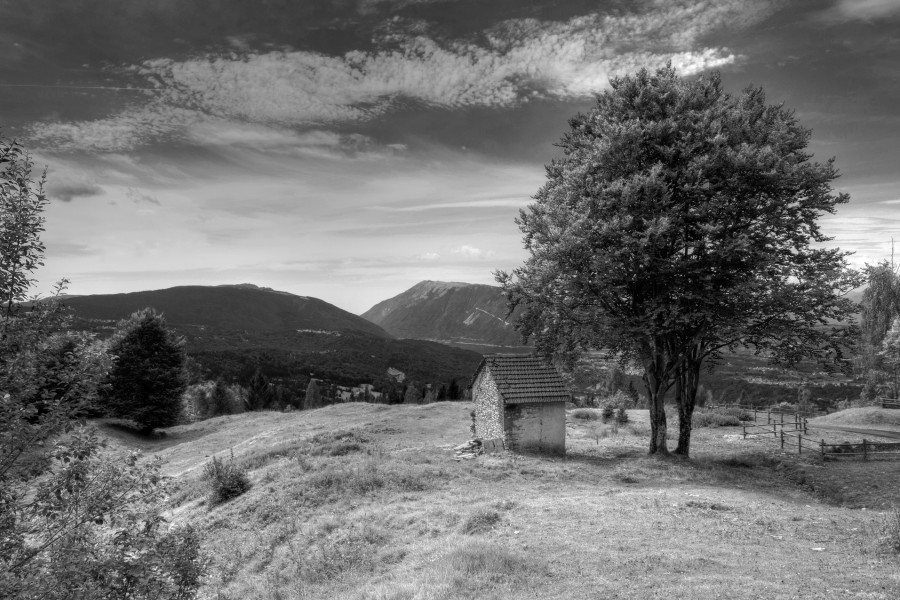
(130, 435)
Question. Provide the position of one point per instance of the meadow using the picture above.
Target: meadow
(366, 502)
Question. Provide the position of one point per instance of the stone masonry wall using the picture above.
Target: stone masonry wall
(488, 407)
(536, 427)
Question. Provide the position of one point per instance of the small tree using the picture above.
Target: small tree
(148, 373)
(413, 393)
(890, 356)
(313, 397)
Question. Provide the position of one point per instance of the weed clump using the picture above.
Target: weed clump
(889, 526)
(226, 480)
(480, 521)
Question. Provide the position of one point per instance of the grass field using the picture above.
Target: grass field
(364, 501)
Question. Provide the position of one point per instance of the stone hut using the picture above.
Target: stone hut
(521, 400)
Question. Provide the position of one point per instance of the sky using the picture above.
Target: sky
(348, 149)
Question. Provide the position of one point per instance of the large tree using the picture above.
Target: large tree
(148, 374)
(681, 222)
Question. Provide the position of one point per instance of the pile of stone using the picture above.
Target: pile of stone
(468, 451)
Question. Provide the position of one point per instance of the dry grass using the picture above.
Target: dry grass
(360, 502)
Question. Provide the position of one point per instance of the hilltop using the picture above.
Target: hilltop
(462, 314)
(365, 502)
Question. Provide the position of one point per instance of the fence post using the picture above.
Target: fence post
(799, 444)
(822, 448)
(745, 430)
(865, 450)
(768, 417)
(804, 426)
(782, 419)
(774, 430)
(782, 439)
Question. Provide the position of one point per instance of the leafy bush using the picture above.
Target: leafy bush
(715, 418)
(585, 414)
(226, 480)
(621, 416)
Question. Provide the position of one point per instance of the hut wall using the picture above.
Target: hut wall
(488, 407)
(537, 426)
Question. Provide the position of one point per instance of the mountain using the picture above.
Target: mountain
(233, 307)
(462, 314)
(234, 330)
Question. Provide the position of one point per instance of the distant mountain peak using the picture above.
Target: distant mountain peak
(467, 314)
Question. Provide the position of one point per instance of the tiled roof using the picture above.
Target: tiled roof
(525, 378)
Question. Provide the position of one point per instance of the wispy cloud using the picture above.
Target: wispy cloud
(494, 203)
(865, 9)
(467, 251)
(517, 61)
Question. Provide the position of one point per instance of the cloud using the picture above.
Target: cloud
(429, 256)
(471, 252)
(69, 190)
(515, 62)
(139, 197)
(865, 9)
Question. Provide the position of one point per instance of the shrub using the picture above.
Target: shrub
(585, 414)
(621, 416)
(226, 480)
(714, 418)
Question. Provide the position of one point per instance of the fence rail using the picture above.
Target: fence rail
(791, 434)
(890, 403)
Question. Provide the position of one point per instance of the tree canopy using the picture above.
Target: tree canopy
(681, 221)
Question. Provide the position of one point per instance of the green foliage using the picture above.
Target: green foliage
(22, 203)
(148, 374)
(226, 480)
(608, 412)
(680, 222)
(76, 521)
(714, 418)
(621, 416)
(890, 358)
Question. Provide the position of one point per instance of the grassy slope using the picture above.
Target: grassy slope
(383, 512)
(868, 416)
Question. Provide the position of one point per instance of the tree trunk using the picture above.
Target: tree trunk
(688, 381)
(656, 384)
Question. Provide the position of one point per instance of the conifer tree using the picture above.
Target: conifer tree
(148, 376)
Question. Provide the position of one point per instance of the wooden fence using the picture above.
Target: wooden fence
(885, 403)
